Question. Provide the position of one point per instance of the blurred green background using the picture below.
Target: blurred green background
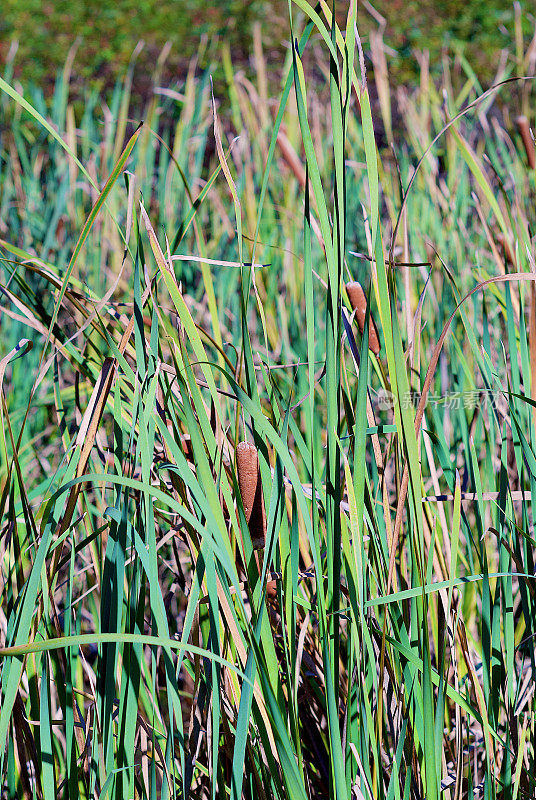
(110, 30)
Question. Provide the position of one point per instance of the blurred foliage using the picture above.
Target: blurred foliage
(45, 31)
(110, 30)
(479, 29)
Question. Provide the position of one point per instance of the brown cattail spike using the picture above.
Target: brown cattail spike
(506, 248)
(291, 158)
(358, 301)
(249, 481)
(523, 127)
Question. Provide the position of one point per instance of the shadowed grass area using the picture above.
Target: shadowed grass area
(266, 532)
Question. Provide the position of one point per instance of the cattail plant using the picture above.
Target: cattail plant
(506, 248)
(358, 301)
(249, 481)
(523, 127)
(315, 665)
(291, 158)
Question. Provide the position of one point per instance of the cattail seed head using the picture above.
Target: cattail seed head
(523, 127)
(271, 591)
(358, 300)
(291, 158)
(249, 482)
(506, 248)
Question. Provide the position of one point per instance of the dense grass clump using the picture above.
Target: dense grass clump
(268, 457)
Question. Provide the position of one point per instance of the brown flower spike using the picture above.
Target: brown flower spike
(249, 481)
(358, 300)
(505, 247)
(528, 142)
